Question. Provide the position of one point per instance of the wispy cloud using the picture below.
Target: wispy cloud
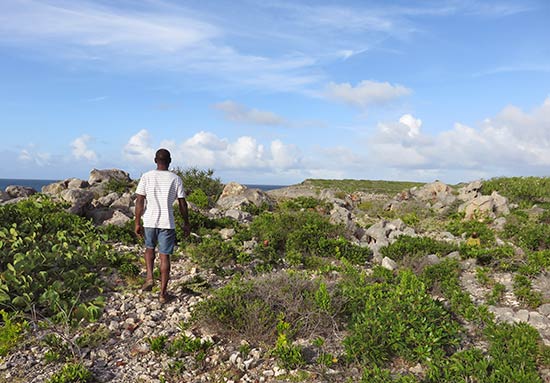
(233, 111)
(366, 93)
(80, 148)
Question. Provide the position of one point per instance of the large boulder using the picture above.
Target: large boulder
(384, 233)
(118, 219)
(4, 196)
(78, 198)
(16, 191)
(76, 183)
(470, 191)
(100, 176)
(54, 188)
(485, 206)
(236, 196)
(434, 192)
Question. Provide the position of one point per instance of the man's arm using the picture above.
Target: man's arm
(140, 205)
(184, 211)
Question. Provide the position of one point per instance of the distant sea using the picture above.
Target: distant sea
(37, 184)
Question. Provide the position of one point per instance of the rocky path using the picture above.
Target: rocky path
(132, 318)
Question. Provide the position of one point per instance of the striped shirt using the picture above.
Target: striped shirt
(161, 188)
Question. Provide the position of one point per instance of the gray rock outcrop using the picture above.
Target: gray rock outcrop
(485, 206)
(236, 196)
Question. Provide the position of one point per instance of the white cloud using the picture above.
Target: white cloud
(31, 155)
(412, 123)
(513, 142)
(366, 93)
(239, 113)
(207, 150)
(80, 148)
(139, 148)
(86, 24)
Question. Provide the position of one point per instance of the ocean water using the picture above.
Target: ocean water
(37, 184)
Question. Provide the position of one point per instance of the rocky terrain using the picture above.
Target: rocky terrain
(132, 317)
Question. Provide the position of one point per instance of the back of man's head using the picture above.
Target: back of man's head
(163, 156)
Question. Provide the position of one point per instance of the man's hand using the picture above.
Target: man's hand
(138, 230)
(186, 229)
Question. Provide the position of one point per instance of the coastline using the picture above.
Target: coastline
(37, 184)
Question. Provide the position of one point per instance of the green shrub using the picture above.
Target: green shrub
(124, 234)
(290, 356)
(49, 259)
(514, 351)
(119, 186)
(202, 225)
(249, 308)
(296, 236)
(304, 203)
(340, 248)
(500, 257)
(157, 343)
(444, 278)
(380, 375)
(199, 198)
(524, 191)
(11, 331)
(536, 263)
(527, 233)
(400, 320)
(469, 228)
(195, 179)
(416, 247)
(72, 373)
(213, 253)
(524, 291)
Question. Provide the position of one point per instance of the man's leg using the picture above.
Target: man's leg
(149, 264)
(164, 273)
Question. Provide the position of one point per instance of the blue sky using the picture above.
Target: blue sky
(276, 91)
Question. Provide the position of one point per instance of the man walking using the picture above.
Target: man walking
(157, 191)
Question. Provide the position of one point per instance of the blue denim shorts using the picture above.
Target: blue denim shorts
(164, 238)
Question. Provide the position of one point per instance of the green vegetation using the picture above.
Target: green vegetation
(524, 191)
(294, 285)
(119, 186)
(416, 247)
(49, 261)
(72, 373)
(368, 186)
(11, 331)
(196, 179)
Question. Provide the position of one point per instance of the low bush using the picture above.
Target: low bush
(416, 247)
(124, 233)
(471, 228)
(11, 331)
(523, 290)
(199, 198)
(524, 191)
(527, 232)
(50, 260)
(72, 373)
(213, 253)
(400, 320)
(250, 308)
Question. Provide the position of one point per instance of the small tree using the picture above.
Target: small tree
(195, 179)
